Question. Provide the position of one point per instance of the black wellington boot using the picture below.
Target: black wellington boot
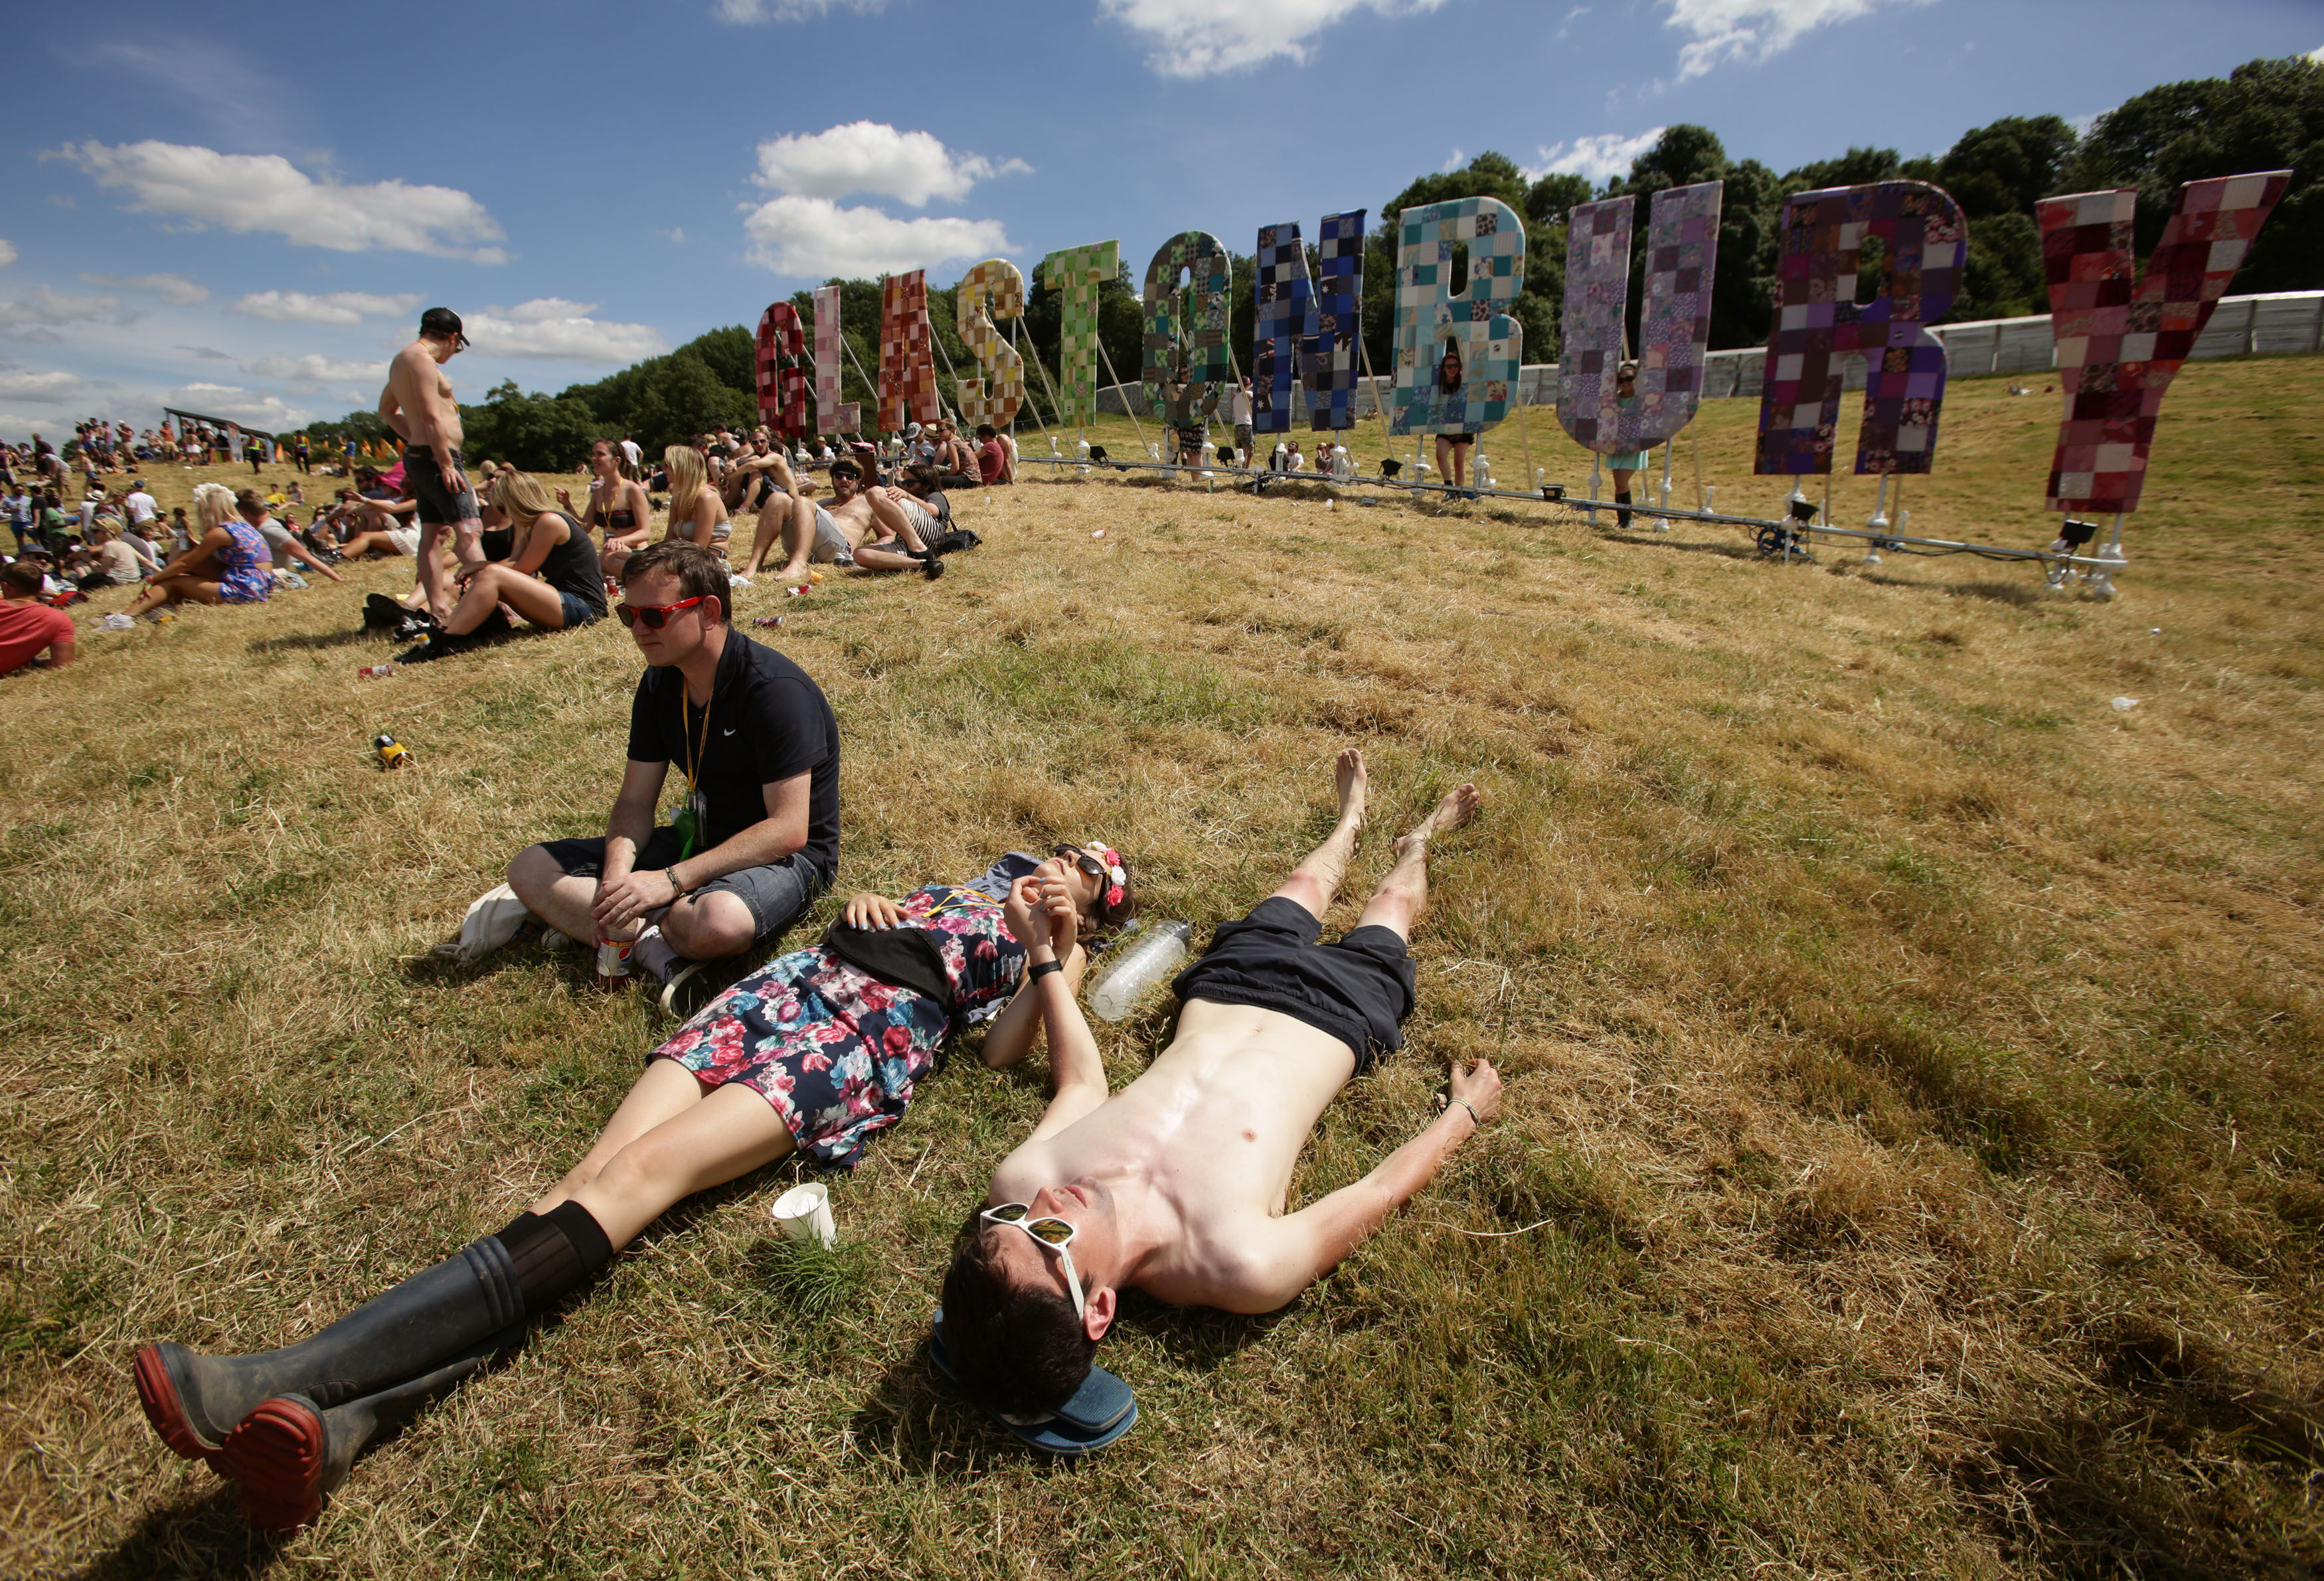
(290, 1452)
(194, 1402)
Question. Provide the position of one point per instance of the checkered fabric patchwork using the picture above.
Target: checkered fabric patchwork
(908, 362)
(2119, 345)
(1681, 251)
(1077, 273)
(992, 289)
(1185, 365)
(1286, 322)
(1817, 320)
(832, 415)
(782, 382)
(1429, 315)
(1327, 359)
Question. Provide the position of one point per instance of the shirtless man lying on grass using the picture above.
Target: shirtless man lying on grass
(878, 527)
(1175, 1185)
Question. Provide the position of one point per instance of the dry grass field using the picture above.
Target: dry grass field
(1914, 1153)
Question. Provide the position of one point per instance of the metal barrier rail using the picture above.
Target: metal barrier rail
(1793, 536)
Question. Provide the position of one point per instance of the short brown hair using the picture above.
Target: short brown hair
(700, 574)
(1014, 1350)
(21, 578)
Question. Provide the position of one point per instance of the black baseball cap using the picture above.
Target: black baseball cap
(443, 322)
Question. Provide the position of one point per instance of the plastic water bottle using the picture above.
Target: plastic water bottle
(1147, 962)
(1484, 470)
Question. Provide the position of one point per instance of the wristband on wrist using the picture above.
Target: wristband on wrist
(1465, 1103)
(677, 889)
(1042, 969)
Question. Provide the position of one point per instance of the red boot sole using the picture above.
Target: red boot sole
(276, 1454)
(159, 1395)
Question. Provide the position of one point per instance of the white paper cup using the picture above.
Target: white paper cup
(804, 1213)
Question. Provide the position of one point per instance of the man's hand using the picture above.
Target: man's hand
(1478, 1087)
(871, 911)
(624, 899)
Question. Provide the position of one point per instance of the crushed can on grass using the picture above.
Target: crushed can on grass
(375, 672)
(392, 753)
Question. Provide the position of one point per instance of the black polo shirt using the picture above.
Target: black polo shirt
(768, 722)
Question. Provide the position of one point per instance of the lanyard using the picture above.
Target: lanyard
(694, 752)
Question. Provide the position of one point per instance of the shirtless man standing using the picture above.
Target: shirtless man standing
(1176, 1185)
(872, 527)
(418, 405)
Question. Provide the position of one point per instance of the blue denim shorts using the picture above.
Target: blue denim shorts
(577, 613)
(776, 893)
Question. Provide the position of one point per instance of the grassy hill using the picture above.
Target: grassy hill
(1910, 1161)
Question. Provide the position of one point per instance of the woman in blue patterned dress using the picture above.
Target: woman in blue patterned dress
(814, 1053)
(229, 562)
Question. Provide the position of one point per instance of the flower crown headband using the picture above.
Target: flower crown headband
(1116, 873)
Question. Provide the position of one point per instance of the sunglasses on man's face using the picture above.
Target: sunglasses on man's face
(654, 616)
(1054, 1234)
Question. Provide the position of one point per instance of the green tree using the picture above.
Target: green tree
(2004, 167)
(1536, 309)
(1855, 168)
(539, 433)
(2264, 115)
(2003, 276)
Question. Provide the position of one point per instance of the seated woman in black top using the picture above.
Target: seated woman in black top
(617, 501)
(569, 589)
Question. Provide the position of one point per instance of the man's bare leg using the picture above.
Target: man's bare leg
(1403, 894)
(431, 572)
(1314, 882)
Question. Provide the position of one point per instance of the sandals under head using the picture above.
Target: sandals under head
(1100, 1411)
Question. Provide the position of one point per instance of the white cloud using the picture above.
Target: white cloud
(1751, 31)
(43, 309)
(338, 307)
(747, 11)
(173, 289)
(52, 387)
(553, 327)
(1599, 158)
(243, 192)
(2316, 54)
(7, 253)
(1197, 38)
(872, 156)
(269, 413)
(314, 368)
(1572, 17)
(816, 238)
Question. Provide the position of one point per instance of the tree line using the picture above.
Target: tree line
(2266, 114)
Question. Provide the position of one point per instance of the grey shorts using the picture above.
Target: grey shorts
(831, 545)
(438, 506)
(776, 893)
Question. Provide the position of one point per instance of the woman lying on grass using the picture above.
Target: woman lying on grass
(229, 562)
(813, 1053)
(550, 576)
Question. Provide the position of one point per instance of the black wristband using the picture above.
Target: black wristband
(1043, 970)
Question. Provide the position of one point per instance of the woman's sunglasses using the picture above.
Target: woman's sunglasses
(1054, 1234)
(654, 616)
(1086, 863)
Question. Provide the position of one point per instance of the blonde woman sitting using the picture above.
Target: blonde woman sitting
(550, 578)
(697, 514)
(228, 562)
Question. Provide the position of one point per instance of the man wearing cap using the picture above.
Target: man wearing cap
(418, 405)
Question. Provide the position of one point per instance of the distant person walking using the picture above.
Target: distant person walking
(418, 405)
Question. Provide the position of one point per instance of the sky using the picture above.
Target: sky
(246, 220)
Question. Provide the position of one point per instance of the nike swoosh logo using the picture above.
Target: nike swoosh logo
(729, 731)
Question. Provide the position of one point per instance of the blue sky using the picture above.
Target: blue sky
(244, 212)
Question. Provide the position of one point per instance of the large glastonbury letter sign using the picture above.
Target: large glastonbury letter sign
(832, 415)
(1307, 327)
(2120, 345)
(1674, 333)
(782, 384)
(1076, 273)
(1185, 364)
(907, 367)
(1817, 319)
(1000, 369)
(1429, 315)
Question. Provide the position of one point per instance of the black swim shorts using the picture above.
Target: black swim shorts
(1358, 989)
(438, 506)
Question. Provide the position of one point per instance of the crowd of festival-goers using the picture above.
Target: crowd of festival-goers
(83, 520)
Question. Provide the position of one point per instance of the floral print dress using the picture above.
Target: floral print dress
(836, 1050)
(245, 567)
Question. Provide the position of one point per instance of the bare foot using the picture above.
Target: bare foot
(1458, 807)
(1350, 778)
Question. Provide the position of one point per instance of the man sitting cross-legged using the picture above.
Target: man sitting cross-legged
(1175, 1185)
(758, 838)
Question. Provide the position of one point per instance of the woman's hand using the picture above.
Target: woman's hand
(1040, 914)
(468, 570)
(869, 910)
(565, 498)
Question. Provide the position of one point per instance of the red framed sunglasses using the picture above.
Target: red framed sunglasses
(654, 616)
